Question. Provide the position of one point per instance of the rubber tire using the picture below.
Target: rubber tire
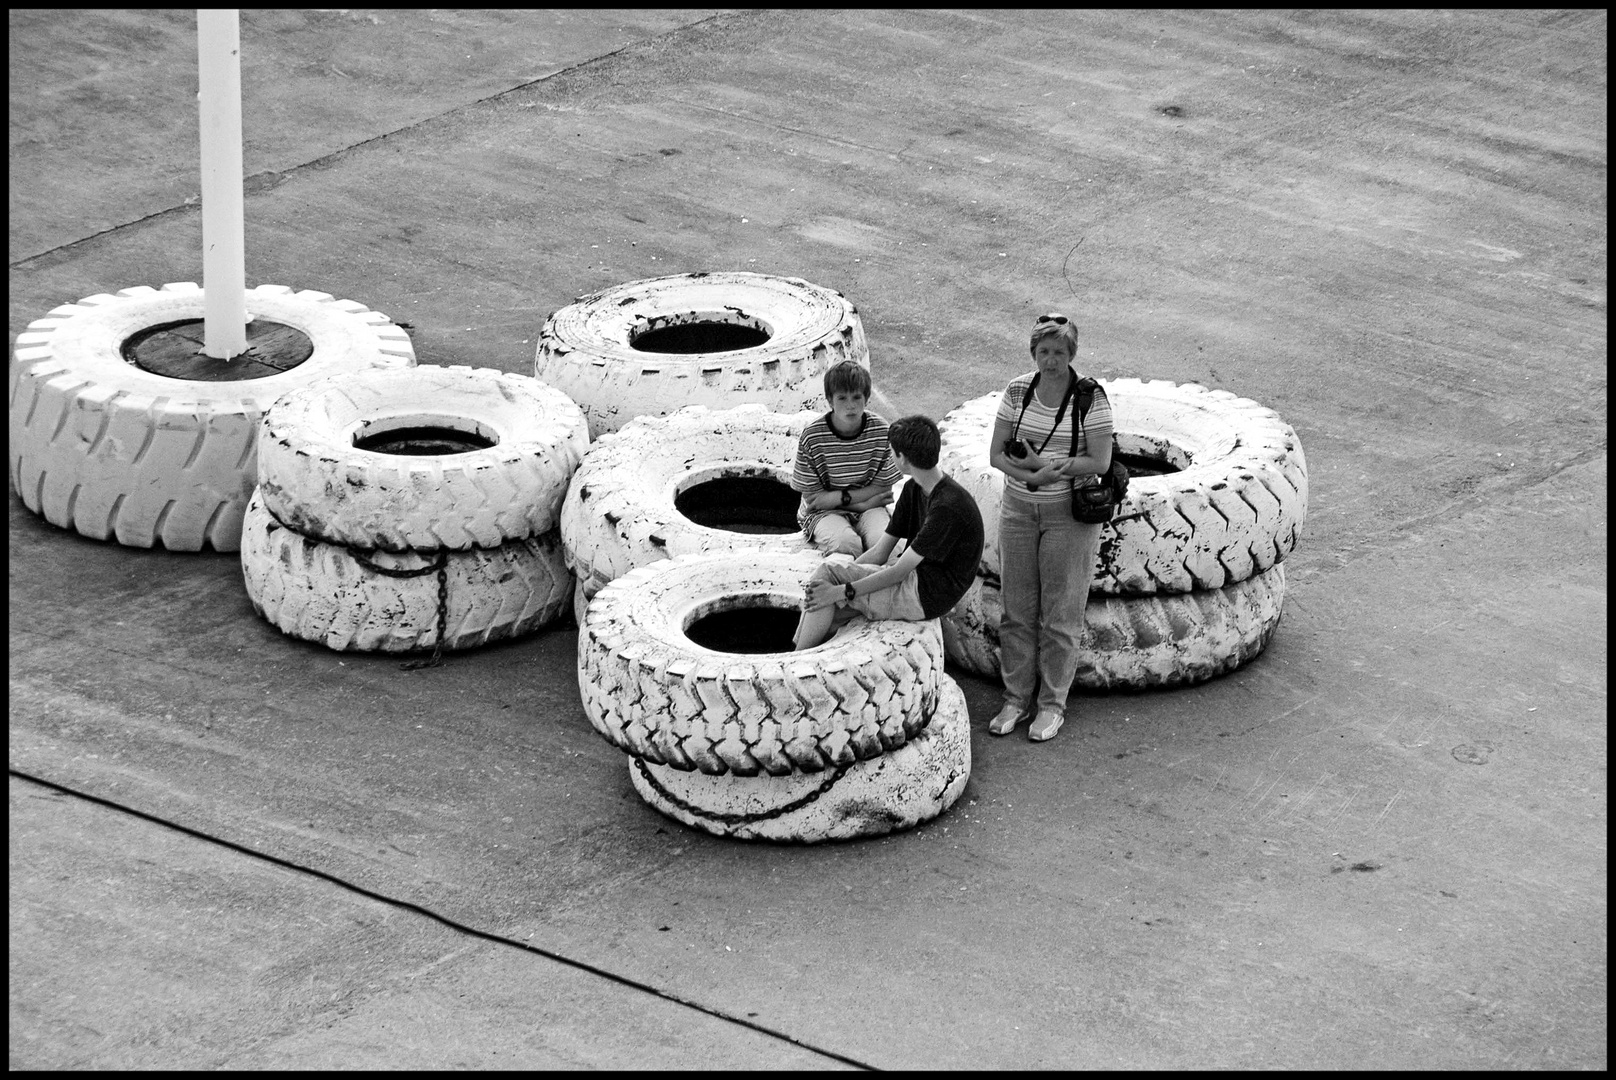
(1138, 642)
(314, 479)
(1236, 508)
(912, 784)
(118, 453)
(318, 592)
(651, 691)
(620, 514)
(586, 350)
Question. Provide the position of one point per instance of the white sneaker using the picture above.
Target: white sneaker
(1009, 716)
(1049, 721)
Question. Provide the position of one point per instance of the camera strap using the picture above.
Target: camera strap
(1071, 388)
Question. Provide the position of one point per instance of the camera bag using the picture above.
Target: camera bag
(1096, 504)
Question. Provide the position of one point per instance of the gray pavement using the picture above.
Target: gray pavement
(1381, 844)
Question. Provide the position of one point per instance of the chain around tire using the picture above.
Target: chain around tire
(747, 819)
(740, 819)
(441, 565)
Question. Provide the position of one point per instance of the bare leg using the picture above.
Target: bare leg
(814, 627)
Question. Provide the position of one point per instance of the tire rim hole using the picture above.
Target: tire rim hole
(423, 436)
(699, 332)
(1151, 455)
(173, 350)
(1146, 465)
(741, 504)
(746, 629)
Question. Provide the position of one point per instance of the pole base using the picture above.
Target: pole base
(174, 350)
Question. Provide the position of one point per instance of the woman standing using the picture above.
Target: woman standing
(1046, 558)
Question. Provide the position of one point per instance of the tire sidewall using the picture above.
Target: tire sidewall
(315, 479)
(586, 348)
(635, 626)
(90, 342)
(621, 513)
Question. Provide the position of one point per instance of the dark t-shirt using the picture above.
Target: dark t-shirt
(945, 529)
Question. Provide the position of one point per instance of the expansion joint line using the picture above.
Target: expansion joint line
(274, 177)
(443, 920)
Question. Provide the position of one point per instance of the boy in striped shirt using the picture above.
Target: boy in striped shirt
(844, 468)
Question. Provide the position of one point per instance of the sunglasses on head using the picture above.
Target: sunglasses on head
(1058, 320)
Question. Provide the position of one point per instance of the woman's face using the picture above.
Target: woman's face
(1051, 355)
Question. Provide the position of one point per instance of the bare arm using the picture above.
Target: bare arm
(822, 594)
(900, 568)
(878, 552)
(864, 498)
(870, 496)
(1098, 459)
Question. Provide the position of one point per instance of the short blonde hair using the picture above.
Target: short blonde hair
(1054, 325)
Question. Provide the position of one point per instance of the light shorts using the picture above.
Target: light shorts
(900, 601)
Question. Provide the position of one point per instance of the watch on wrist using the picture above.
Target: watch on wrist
(847, 496)
(849, 591)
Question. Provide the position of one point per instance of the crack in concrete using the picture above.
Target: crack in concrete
(273, 178)
(428, 913)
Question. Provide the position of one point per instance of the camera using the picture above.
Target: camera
(1016, 450)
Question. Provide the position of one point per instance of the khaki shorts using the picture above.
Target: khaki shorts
(900, 601)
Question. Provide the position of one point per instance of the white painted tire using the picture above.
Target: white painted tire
(587, 348)
(620, 511)
(115, 452)
(651, 691)
(1235, 508)
(314, 479)
(319, 592)
(1138, 642)
(895, 791)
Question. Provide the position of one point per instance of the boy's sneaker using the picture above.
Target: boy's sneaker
(1049, 721)
(1008, 718)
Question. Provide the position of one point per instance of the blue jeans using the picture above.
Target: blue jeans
(1046, 564)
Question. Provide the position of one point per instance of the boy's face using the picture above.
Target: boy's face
(848, 407)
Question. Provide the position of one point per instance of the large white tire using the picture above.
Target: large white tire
(898, 790)
(656, 694)
(319, 592)
(313, 478)
(1234, 508)
(116, 452)
(1138, 642)
(620, 510)
(587, 348)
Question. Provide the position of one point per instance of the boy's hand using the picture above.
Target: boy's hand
(822, 594)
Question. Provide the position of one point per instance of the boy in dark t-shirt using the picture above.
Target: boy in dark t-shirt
(944, 529)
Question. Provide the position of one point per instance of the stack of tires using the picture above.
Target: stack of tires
(114, 451)
(860, 736)
(406, 510)
(652, 347)
(1190, 580)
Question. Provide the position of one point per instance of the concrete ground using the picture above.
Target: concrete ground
(1381, 844)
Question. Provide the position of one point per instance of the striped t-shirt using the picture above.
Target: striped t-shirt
(1035, 427)
(827, 460)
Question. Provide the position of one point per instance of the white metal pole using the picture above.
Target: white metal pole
(224, 265)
